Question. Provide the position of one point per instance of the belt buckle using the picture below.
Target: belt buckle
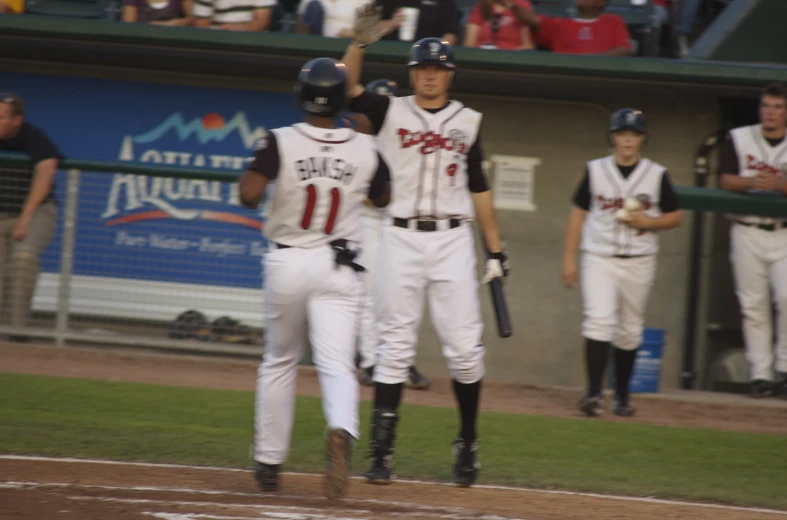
(426, 225)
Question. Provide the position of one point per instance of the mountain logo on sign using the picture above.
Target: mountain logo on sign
(202, 142)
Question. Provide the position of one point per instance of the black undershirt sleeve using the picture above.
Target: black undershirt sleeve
(728, 158)
(668, 199)
(582, 194)
(266, 158)
(476, 180)
(374, 106)
(381, 179)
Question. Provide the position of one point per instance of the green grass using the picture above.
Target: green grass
(78, 418)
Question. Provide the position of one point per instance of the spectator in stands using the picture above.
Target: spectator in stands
(688, 18)
(590, 33)
(162, 12)
(234, 15)
(28, 211)
(328, 18)
(12, 6)
(435, 18)
(498, 24)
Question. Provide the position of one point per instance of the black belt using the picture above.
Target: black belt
(345, 255)
(764, 227)
(628, 256)
(424, 225)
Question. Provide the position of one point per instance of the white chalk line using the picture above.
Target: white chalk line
(190, 491)
(297, 513)
(648, 500)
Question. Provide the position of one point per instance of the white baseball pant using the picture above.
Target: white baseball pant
(759, 263)
(442, 264)
(305, 291)
(614, 294)
(372, 226)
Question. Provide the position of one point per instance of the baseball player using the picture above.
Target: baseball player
(622, 202)
(433, 147)
(313, 269)
(753, 159)
(372, 221)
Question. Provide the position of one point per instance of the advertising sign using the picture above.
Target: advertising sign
(140, 237)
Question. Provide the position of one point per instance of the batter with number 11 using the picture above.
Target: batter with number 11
(622, 202)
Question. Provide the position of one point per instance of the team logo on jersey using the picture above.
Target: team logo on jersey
(430, 142)
(752, 163)
(616, 203)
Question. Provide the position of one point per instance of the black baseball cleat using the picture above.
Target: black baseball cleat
(622, 407)
(760, 388)
(266, 475)
(592, 405)
(337, 472)
(416, 380)
(382, 471)
(365, 376)
(466, 465)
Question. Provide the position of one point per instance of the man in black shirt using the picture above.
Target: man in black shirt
(28, 211)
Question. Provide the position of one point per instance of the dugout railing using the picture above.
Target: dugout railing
(106, 279)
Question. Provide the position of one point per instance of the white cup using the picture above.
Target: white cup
(410, 22)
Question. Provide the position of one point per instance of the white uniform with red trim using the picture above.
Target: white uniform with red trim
(427, 156)
(758, 252)
(618, 262)
(322, 178)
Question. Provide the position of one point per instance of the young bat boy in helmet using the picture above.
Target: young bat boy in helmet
(622, 202)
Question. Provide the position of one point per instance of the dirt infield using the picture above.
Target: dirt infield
(688, 409)
(44, 489)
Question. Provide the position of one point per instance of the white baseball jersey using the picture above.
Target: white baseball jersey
(322, 178)
(756, 155)
(427, 155)
(603, 234)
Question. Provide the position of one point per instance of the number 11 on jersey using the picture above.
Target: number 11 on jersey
(311, 202)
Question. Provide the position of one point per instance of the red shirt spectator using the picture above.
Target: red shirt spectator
(492, 24)
(584, 36)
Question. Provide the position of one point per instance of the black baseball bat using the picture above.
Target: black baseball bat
(501, 308)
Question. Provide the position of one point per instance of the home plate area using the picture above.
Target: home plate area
(43, 488)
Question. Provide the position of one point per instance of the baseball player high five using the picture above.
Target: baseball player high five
(372, 225)
(313, 273)
(754, 160)
(433, 147)
(620, 205)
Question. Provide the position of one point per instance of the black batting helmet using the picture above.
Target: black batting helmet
(322, 87)
(628, 119)
(385, 87)
(432, 51)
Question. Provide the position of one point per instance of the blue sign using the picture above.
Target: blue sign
(148, 228)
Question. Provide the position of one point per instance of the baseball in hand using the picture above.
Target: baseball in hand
(622, 215)
(632, 205)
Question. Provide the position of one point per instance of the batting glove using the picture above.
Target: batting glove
(497, 266)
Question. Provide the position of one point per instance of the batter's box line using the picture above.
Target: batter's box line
(212, 492)
(294, 515)
(649, 500)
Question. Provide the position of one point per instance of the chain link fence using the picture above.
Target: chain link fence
(141, 256)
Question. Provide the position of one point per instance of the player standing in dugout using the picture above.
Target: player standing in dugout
(753, 159)
(622, 203)
(433, 147)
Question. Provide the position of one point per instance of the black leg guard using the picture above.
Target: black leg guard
(382, 446)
